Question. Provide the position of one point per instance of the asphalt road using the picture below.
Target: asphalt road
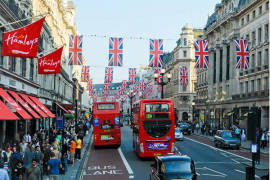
(122, 163)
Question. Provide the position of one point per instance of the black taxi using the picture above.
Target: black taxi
(173, 167)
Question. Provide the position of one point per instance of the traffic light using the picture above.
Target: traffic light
(254, 122)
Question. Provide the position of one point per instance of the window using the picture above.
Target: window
(23, 67)
(220, 65)
(258, 84)
(11, 63)
(252, 61)
(185, 53)
(259, 63)
(241, 87)
(266, 57)
(228, 64)
(246, 87)
(157, 108)
(267, 5)
(260, 10)
(266, 32)
(1, 57)
(31, 75)
(266, 83)
(106, 106)
(254, 14)
(248, 18)
(214, 75)
(247, 37)
(242, 21)
(252, 86)
(185, 41)
(253, 38)
(259, 35)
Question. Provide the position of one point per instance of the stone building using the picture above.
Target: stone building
(183, 55)
(232, 92)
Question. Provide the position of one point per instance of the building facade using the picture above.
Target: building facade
(232, 92)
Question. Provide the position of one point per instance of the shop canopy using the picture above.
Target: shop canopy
(14, 104)
(61, 107)
(28, 100)
(42, 106)
(24, 104)
(6, 113)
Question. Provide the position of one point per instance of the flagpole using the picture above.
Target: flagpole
(23, 19)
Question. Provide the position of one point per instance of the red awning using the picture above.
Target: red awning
(24, 104)
(6, 113)
(14, 104)
(70, 111)
(42, 106)
(61, 107)
(26, 98)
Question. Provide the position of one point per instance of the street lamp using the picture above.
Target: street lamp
(162, 83)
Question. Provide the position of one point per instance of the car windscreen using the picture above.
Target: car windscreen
(177, 166)
(106, 106)
(227, 134)
(177, 130)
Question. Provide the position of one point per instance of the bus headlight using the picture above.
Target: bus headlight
(141, 148)
(116, 120)
(173, 147)
(96, 121)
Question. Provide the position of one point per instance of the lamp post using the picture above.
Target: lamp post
(162, 83)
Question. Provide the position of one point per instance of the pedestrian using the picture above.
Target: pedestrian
(23, 146)
(72, 151)
(3, 172)
(28, 156)
(197, 127)
(14, 158)
(267, 137)
(53, 167)
(56, 152)
(4, 158)
(46, 158)
(33, 172)
(28, 138)
(263, 140)
(243, 135)
(78, 148)
(19, 170)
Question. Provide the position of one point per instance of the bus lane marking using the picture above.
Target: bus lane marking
(130, 172)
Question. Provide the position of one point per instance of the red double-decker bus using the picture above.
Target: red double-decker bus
(106, 123)
(153, 131)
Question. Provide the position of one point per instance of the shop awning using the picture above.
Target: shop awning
(70, 111)
(61, 107)
(14, 104)
(42, 106)
(6, 113)
(26, 98)
(24, 104)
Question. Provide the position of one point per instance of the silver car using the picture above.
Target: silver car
(178, 134)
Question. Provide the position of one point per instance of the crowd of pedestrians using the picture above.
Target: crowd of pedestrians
(43, 154)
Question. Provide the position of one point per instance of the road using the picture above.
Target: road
(122, 163)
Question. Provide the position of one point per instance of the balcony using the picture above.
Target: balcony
(265, 66)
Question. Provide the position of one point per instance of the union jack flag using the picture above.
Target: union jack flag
(242, 54)
(118, 94)
(108, 74)
(183, 76)
(136, 89)
(150, 90)
(156, 53)
(142, 85)
(75, 50)
(85, 73)
(106, 86)
(201, 54)
(91, 92)
(159, 77)
(132, 75)
(124, 84)
(95, 98)
(121, 91)
(90, 84)
(159, 88)
(115, 51)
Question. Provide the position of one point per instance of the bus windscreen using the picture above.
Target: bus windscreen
(156, 108)
(106, 106)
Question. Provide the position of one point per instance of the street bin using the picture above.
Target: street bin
(250, 173)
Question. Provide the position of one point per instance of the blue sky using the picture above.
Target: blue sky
(161, 19)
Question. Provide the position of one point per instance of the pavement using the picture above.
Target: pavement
(74, 172)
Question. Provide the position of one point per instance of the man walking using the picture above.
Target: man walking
(3, 172)
(53, 167)
(33, 172)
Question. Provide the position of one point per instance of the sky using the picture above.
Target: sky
(150, 19)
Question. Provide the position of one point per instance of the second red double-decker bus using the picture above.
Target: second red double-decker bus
(153, 131)
(106, 123)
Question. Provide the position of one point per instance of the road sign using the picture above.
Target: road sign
(254, 148)
(60, 122)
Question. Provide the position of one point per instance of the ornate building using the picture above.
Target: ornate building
(232, 92)
(183, 56)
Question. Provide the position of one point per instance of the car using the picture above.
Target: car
(185, 128)
(226, 139)
(178, 134)
(171, 167)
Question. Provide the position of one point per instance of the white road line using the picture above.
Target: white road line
(245, 173)
(215, 171)
(212, 175)
(219, 149)
(220, 162)
(224, 154)
(198, 173)
(130, 172)
(235, 161)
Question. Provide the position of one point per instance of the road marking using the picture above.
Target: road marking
(219, 149)
(130, 172)
(212, 175)
(235, 161)
(245, 173)
(224, 154)
(86, 159)
(220, 162)
(215, 171)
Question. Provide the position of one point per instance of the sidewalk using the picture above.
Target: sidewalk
(72, 171)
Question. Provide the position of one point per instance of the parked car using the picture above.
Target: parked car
(226, 138)
(185, 128)
(178, 134)
(171, 167)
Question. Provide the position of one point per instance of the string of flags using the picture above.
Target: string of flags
(23, 42)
